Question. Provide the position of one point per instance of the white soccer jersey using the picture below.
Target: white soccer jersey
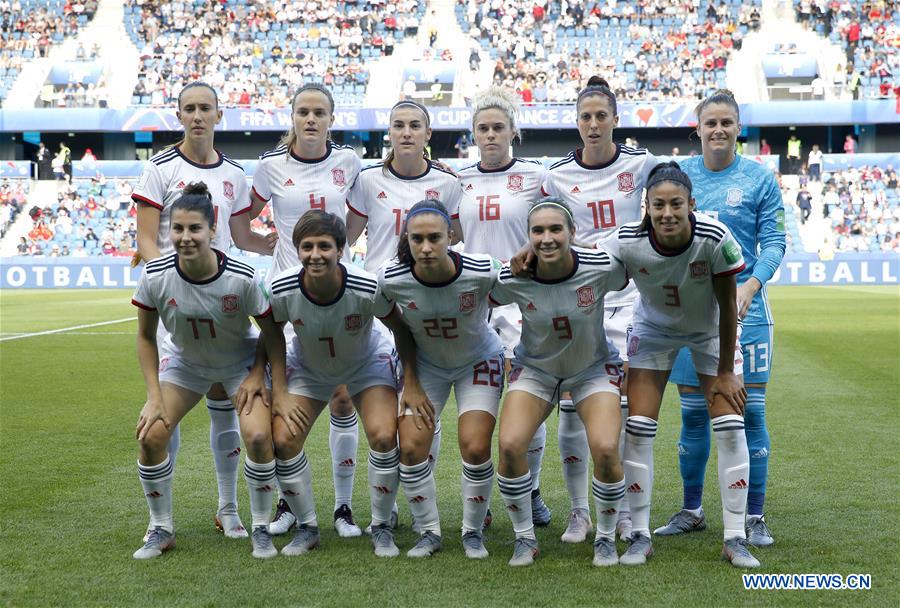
(602, 197)
(448, 320)
(295, 185)
(494, 206)
(562, 320)
(385, 200)
(207, 322)
(330, 337)
(676, 290)
(167, 173)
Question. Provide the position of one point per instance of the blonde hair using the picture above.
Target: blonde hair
(498, 98)
(290, 138)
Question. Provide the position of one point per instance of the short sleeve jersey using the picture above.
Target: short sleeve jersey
(495, 204)
(385, 199)
(746, 198)
(207, 321)
(602, 197)
(295, 185)
(330, 337)
(676, 288)
(165, 176)
(449, 321)
(562, 320)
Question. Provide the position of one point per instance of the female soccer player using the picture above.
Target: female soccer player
(195, 159)
(563, 348)
(203, 299)
(331, 307)
(684, 267)
(496, 195)
(309, 171)
(744, 196)
(443, 297)
(603, 183)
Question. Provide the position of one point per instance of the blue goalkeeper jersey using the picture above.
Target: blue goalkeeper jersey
(746, 198)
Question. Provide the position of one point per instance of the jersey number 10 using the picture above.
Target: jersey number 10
(604, 214)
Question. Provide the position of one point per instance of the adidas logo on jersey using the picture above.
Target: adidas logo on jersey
(761, 453)
(412, 306)
(381, 195)
(469, 187)
(289, 182)
(576, 190)
(530, 306)
(635, 489)
(643, 271)
(180, 185)
(172, 302)
(740, 484)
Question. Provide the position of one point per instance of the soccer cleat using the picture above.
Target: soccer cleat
(488, 519)
(394, 523)
(681, 523)
(605, 552)
(343, 523)
(158, 540)
(228, 521)
(639, 549)
(427, 545)
(579, 527)
(473, 543)
(524, 552)
(383, 541)
(623, 527)
(284, 520)
(262, 543)
(735, 551)
(758, 533)
(540, 512)
(306, 538)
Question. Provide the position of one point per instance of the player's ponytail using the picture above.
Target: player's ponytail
(598, 86)
(665, 172)
(197, 197)
(404, 253)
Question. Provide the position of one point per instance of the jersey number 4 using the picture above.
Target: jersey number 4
(316, 204)
(604, 214)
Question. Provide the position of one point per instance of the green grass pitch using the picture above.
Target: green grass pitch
(72, 512)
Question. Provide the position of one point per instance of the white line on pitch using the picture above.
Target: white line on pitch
(66, 329)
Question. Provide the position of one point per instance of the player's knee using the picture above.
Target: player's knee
(156, 440)
(512, 448)
(285, 443)
(382, 440)
(605, 452)
(341, 404)
(258, 440)
(475, 449)
(414, 449)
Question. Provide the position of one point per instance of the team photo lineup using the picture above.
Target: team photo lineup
(584, 290)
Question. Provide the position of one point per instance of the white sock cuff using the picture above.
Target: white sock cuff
(384, 460)
(219, 405)
(567, 406)
(292, 467)
(478, 472)
(155, 472)
(728, 422)
(641, 426)
(514, 488)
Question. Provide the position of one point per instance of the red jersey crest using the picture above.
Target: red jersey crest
(699, 270)
(231, 303)
(352, 322)
(432, 195)
(626, 181)
(585, 296)
(337, 177)
(467, 301)
(228, 190)
(515, 183)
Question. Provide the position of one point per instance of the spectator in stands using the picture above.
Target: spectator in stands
(814, 162)
(88, 156)
(804, 202)
(764, 148)
(66, 154)
(830, 200)
(57, 166)
(794, 147)
(23, 247)
(43, 159)
(849, 145)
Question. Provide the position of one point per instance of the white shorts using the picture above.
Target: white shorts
(616, 323)
(601, 377)
(648, 349)
(478, 386)
(175, 370)
(507, 322)
(380, 370)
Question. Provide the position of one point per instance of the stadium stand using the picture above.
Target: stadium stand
(13, 199)
(258, 53)
(863, 209)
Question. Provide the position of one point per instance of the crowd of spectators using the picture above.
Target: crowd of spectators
(13, 198)
(257, 53)
(863, 208)
(647, 50)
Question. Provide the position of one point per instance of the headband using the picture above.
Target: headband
(417, 105)
(429, 210)
(552, 204)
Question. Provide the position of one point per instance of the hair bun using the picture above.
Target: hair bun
(597, 81)
(196, 188)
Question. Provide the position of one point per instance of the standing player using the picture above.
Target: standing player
(331, 306)
(443, 297)
(563, 348)
(308, 171)
(203, 299)
(744, 196)
(497, 193)
(195, 159)
(684, 267)
(384, 192)
(602, 182)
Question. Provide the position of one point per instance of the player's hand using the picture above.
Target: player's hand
(414, 398)
(521, 263)
(253, 385)
(153, 410)
(290, 411)
(731, 388)
(745, 293)
(271, 239)
(445, 167)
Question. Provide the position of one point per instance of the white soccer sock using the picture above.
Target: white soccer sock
(516, 494)
(418, 485)
(295, 479)
(536, 455)
(640, 432)
(174, 444)
(574, 451)
(624, 508)
(383, 481)
(260, 485)
(435, 450)
(225, 442)
(477, 483)
(156, 481)
(607, 500)
(734, 471)
(343, 439)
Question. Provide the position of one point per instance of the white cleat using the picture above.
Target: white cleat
(262, 543)
(473, 543)
(344, 524)
(283, 521)
(579, 527)
(306, 539)
(383, 541)
(228, 521)
(159, 540)
(605, 552)
(735, 551)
